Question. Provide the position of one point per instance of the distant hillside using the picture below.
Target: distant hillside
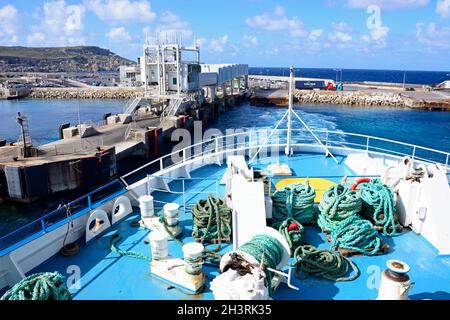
(64, 59)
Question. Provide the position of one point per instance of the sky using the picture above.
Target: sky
(360, 34)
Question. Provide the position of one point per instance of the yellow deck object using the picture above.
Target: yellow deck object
(320, 185)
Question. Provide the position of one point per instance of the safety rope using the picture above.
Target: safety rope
(39, 286)
(323, 263)
(378, 205)
(357, 234)
(294, 201)
(337, 204)
(270, 248)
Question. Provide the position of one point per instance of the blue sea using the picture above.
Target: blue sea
(359, 75)
(425, 128)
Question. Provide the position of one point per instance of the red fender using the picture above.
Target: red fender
(358, 182)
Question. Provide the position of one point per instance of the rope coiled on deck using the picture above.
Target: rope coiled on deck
(378, 205)
(296, 202)
(212, 220)
(39, 286)
(355, 233)
(323, 263)
(270, 248)
(337, 204)
(294, 233)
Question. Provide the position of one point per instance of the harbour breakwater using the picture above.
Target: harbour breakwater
(394, 99)
(277, 97)
(352, 98)
(85, 93)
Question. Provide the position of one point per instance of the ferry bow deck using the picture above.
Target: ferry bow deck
(106, 275)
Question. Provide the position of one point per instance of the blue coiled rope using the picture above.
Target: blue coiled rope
(294, 202)
(39, 286)
(337, 204)
(270, 248)
(357, 234)
(378, 205)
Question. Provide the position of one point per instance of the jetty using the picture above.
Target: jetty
(273, 90)
(176, 93)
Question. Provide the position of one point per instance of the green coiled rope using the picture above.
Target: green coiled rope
(270, 248)
(323, 263)
(357, 234)
(212, 220)
(293, 237)
(39, 286)
(337, 204)
(131, 254)
(296, 202)
(378, 205)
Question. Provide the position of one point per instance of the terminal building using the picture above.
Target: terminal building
(173, 69)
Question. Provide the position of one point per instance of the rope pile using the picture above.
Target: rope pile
(357, 234)
(323, 263)
(39, 286)
(294, 233)
(337, 204)
(296, 202)
(378, 206)
(270, 248)
(212, 220)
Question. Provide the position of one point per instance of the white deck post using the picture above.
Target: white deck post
(288, 150)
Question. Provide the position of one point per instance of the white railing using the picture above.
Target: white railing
(247, 142)
(184, 193)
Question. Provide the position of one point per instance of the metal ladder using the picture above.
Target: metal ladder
(173, 107)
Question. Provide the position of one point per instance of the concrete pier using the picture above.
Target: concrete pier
(88, 154)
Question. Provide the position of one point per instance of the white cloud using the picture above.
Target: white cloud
(118, 35)
(277, 21)
(121, 10)
(443, 8)
(36, 37)
(340, 33)
(9, 25)
(378, 36)
(314, 35)
(200, 42)
(171, 28)
(61, 25)
(250, 41)
(172, 23)
(387, 4)
(218, 44)
(433, 35)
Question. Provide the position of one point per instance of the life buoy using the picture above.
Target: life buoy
(358, 182)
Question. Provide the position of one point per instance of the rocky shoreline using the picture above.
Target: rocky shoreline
(85, 93)
(352, 98)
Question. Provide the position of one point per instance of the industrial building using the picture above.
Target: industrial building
(175, 70)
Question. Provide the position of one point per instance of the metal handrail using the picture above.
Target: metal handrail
(42, 220)
(366, 146)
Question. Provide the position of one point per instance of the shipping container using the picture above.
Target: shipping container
(310, 85)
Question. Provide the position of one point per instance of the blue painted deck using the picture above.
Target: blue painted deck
(105, 275)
